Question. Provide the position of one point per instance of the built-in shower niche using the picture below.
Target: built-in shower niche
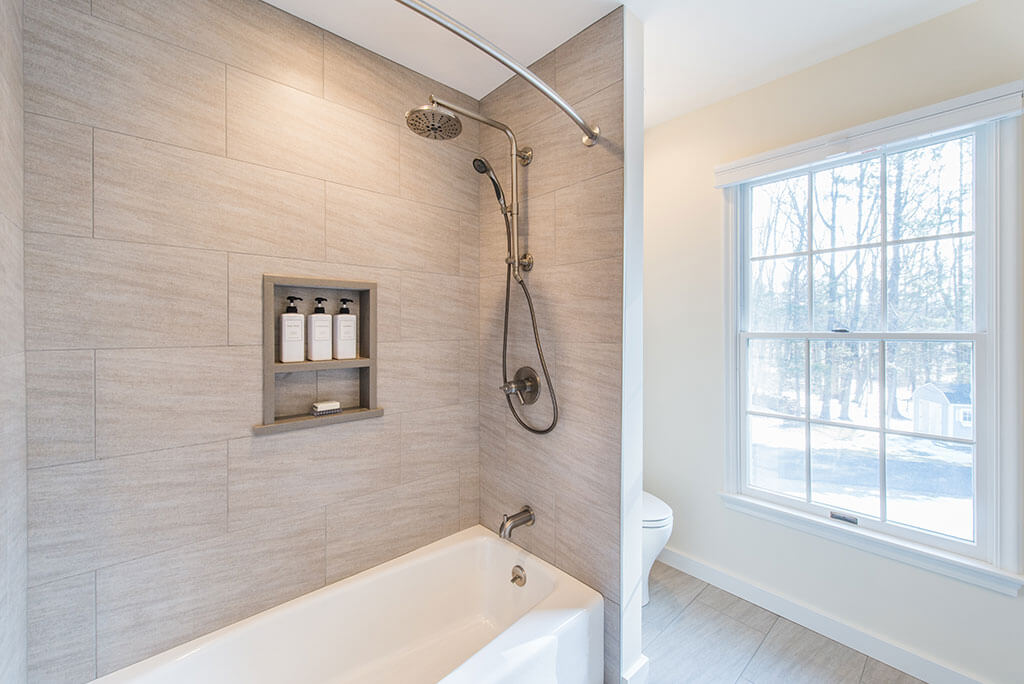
(289, 389)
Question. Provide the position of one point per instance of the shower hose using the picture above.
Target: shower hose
(536, 338)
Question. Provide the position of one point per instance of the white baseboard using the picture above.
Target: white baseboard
(637, 674)
(875, 647)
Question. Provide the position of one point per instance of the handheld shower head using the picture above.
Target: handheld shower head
(482, 167)
(432, 122)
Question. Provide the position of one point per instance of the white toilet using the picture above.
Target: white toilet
(657, 529)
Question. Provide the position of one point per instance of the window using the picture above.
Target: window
(862, 337)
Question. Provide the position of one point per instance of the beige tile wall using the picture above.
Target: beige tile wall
(175, 152)
(12, 351)
(572, 222)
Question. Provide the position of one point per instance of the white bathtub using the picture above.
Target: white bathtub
(447, 612)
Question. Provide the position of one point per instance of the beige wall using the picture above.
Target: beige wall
(572, 222)
(12, 352)
(175, 153)
(963, 627)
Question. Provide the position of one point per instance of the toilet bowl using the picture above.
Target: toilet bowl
(657, 529)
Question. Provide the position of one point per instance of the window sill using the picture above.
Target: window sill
(949, 564)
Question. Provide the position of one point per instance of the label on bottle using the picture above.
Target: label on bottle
(322, 330)
(293, 330)
(347, 329)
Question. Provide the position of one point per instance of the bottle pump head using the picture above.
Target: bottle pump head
(344, 305)
(320, 305)
(291, 304)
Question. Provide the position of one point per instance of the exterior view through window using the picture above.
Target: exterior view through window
(859, 338)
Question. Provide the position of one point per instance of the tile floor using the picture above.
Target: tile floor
(695, 632)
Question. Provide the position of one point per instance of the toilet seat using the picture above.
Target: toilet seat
(656, 512)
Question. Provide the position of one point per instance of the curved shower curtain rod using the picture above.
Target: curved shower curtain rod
(590, 133)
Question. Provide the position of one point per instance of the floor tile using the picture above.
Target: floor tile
(696, 632)
(746, 612)
(793, 654)
(702, 645)
(876, 672)
(671, 592)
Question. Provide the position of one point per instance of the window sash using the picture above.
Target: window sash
(984, 441)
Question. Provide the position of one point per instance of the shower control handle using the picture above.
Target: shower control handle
(525, 385)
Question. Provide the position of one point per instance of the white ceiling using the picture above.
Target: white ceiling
(696, 51)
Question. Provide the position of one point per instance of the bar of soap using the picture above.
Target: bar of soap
(322, 408)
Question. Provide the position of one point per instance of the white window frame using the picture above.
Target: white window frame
(994, 560)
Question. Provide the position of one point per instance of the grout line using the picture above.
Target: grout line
(191, 51)
(757, 650)
(137, 453)
(863, 668)
(368, 188)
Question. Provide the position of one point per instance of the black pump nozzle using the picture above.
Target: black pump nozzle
(291, 304)
(320, 305)
(344, 305)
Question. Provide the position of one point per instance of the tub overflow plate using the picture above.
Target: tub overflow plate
(518, 575)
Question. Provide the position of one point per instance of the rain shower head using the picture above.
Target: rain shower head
(430, 121)
(483, 167)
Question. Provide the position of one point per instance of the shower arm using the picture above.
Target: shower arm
(590, 133)
(514, 157)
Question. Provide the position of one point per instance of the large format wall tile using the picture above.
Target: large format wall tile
(588, 219)
(571, 220)
(591, 60)
(501, 493)
(84, 293)
(151, 399)
(58, 176)
(12, 292)
(371, 529)
(62, 630)
(363, 80)
(439, 307)
(245, 299)
(561, 159)
(274, 475)
(438, 173)
(590, 378)
(435, 440)
(413, 375)
(469, 496)
(469, 245)
(150, 604)
(283, 128)
(518, 104)
(583, 301)
(365, 227)
(61, 412)
(253, 36)
(228, 141)
(85, 516)
(89, 71)
(159, 194)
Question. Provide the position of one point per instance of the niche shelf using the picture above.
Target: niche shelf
(276, 288)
